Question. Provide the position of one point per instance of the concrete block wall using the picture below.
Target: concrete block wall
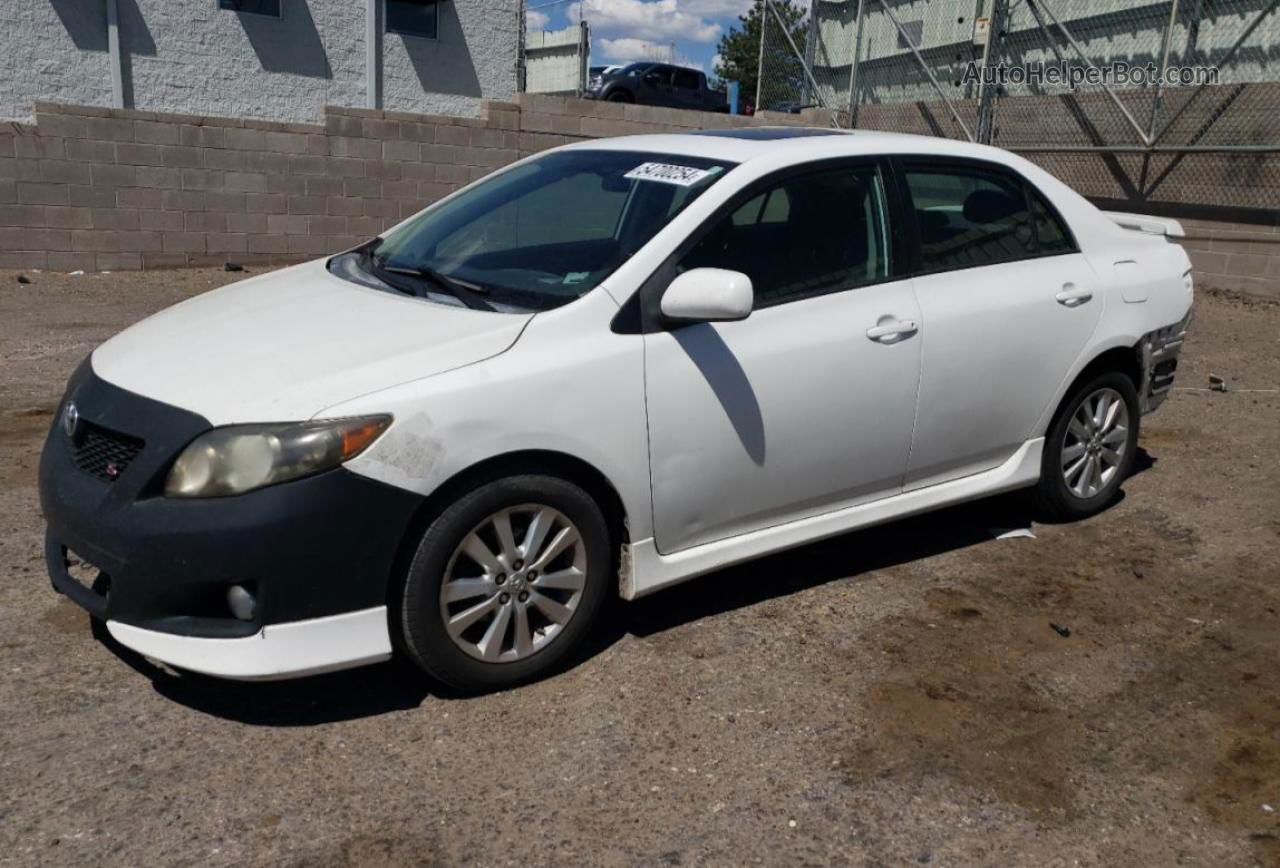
(1244, 257)
(92, 188)
(104, 189)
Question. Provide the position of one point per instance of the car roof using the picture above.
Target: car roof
(787, 143)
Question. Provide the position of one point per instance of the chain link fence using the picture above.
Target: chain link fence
(1169, 102)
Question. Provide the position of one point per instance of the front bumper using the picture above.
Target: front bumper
(276, 651)
(317, 553)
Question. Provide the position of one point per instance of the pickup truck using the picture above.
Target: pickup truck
(658, 84)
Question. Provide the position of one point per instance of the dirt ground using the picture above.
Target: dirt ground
(894, 696)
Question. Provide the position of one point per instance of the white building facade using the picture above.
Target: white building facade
(280, 60)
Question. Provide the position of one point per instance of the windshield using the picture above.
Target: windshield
(541, 234)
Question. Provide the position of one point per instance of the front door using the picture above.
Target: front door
(806, 405)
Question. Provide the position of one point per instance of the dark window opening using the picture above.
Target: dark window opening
(969, 217)
(412, 17)
(914, 31)
(1052, 235)
(659, 75)
(686, 79)
(270, 8)
(808, 235)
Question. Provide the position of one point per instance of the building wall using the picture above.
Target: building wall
(55, 51)
(93, 188)
(90, 188)
(192, 57)
(1106, 30)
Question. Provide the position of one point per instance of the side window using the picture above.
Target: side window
(1052, 236)
(809, 234)
(969, 217)
(770, 207)
(659, 75)
(686, 79)
(412, 17)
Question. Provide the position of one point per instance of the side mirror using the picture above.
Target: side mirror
(708, 295)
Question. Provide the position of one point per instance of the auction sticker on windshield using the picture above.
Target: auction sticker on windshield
(684, 176)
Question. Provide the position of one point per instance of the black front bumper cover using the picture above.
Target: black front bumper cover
(312, 547)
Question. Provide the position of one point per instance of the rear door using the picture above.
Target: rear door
(1008, 303)
(658, 87)
(687, 88)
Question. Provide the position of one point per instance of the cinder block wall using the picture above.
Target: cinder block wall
(98, 189)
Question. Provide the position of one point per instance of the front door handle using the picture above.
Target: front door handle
(892, 331)
(1073, 296)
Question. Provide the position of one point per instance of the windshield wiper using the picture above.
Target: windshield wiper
(459, 290)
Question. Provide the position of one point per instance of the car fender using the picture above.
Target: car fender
(569, 385)
(1124, 323)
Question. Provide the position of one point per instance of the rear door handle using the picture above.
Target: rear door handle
(1073, 296)
(887, 333)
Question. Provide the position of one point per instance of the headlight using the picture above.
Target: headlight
(240, 458)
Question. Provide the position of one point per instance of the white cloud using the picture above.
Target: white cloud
(660, 20)
(627, 50)
(536, 20)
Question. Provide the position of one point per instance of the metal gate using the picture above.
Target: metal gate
(1163, 103)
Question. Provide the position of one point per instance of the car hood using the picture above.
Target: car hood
(284, 346)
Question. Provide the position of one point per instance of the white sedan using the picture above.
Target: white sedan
(602, 370)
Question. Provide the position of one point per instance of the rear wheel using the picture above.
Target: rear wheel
(506, 582)
(1090, 447)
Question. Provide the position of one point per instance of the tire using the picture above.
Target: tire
(1068, 490)
(620, 96)
(490, 653)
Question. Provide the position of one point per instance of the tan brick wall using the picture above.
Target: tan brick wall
(97, 189)
(107, 189)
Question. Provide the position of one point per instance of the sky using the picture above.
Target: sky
(680, 31)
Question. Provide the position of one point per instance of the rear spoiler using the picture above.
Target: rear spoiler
(1144, 223)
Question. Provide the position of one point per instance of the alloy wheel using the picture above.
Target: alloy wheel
(513, 583)
(1095, 443)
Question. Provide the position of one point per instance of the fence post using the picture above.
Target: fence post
(853, 71)
(584, 56)
(987, 95)
(764, 23)
(522, 24)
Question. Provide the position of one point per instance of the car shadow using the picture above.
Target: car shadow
(398, 685)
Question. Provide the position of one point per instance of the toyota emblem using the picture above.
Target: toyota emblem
(70, 420)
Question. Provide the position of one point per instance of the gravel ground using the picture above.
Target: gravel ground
(893, 696)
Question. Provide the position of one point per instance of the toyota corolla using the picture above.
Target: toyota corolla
(600, 371)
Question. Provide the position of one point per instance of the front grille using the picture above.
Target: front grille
(104, 453)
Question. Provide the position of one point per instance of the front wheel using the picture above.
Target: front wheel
(1090, 447)
(506, 582)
